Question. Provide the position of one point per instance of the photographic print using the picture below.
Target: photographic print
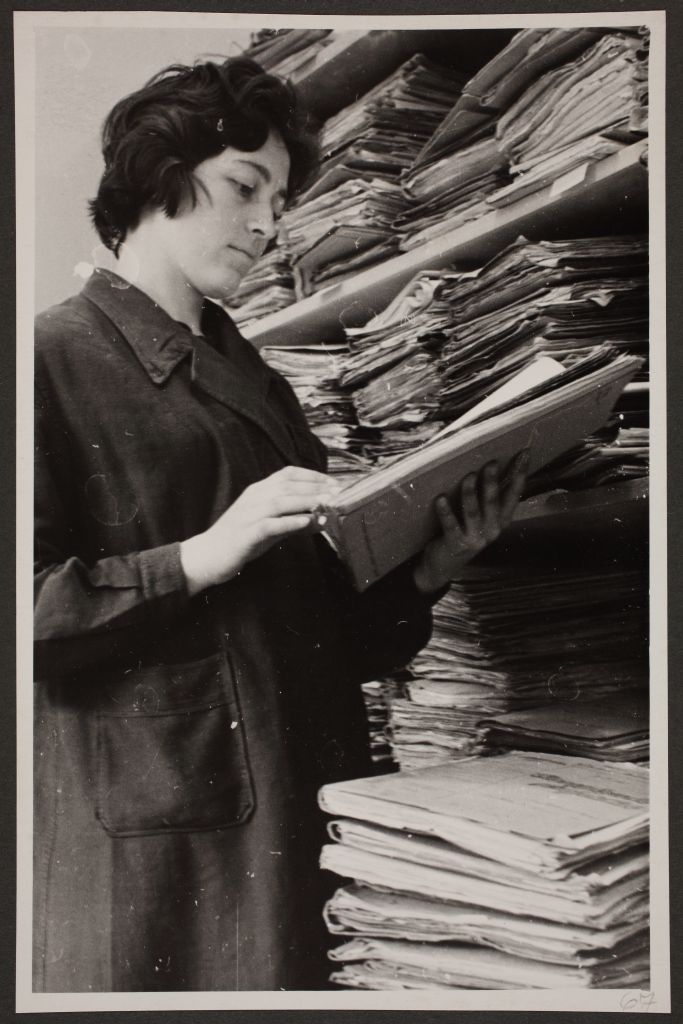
(344, 343)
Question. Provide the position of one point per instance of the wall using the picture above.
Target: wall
(79, 76)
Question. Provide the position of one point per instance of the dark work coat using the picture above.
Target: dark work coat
(179, 743)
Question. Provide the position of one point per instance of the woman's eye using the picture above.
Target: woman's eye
(244, 190)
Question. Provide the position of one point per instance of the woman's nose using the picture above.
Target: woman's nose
(262, 222)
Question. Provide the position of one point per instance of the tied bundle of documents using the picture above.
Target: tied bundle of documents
(508, 638)
(463, 163)
(519, 871)
(576, 114)
(313, 372)
(608, 730)
(389, 515)
(266, 288)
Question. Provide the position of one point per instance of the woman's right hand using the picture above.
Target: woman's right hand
(264, 513)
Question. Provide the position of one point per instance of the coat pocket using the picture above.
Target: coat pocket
(171, 755)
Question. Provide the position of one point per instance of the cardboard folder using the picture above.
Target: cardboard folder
(389, 515)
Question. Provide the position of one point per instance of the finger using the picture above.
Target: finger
(513, 491)
(283, 526)
(447, 517)
(313, 488)
(490, 501)
(300, 473)
(469, 505)
(278, 505)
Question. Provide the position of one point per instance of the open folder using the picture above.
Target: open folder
(386, 517)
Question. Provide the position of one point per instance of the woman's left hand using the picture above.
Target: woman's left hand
(485, 510)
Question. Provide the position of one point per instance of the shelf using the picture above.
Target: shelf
(586, 529)
(615, 188)
(354, 62)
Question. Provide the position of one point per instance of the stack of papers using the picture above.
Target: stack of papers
(266, 288)
(492, 652)
(577, 113)
(519, 871)
(313, 372)
(449, 339)
(376, 696)
(561, 298)
(392, 367)
(369, 206)
(449, 192)
(382, 132)
(464, 163)
(344, 221)
(287, 52)
(614, 729)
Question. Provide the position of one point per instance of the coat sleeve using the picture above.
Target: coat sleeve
(86, 614)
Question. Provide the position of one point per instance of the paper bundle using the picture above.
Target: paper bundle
(287, 52)
(614, 729)
(376, 696)
(266, 288)
(344, 221)
(512, 638)
(519, 871)
(578, 113)
(464, 162)
(313, 372)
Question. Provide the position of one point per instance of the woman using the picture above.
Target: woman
(198, 649)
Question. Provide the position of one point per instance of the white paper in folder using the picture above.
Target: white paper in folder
(541, 369)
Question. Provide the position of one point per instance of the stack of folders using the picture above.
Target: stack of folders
(464, 162)
(266, 288)
(313, 372)
(507, 639)
(552, 101)
(449, 339)
(614, 729)
(576, 114)
(392, 367)
(519, 871)
(287, 52)
(344, 221)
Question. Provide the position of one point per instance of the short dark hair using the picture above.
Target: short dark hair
(153, 139)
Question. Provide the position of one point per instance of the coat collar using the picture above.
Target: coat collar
(158, 341)
(224, 365)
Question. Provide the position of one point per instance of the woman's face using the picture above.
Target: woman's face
(240, 196)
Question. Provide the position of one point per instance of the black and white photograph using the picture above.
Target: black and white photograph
(341, 448)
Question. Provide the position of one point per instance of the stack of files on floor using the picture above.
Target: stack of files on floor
(510, 638)
(612, 729)
(344, 221)
(464, 163)
(266, 288)
(287, 52)
(313, 372)
(576, 114)
(518, 871)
